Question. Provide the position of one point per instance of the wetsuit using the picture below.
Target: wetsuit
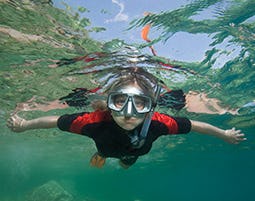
(113, 141)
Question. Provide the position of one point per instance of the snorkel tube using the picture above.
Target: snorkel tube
(147, 120)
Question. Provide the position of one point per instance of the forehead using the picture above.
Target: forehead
(131, 90)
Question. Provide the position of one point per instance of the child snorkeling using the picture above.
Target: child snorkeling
(126, 125)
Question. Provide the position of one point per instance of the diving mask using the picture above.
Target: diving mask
(129, 102)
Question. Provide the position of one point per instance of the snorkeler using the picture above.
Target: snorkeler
(127, 125)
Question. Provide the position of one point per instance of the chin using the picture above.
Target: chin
(128, 128)
(129, 124)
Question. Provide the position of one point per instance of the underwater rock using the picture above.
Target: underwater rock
(50, 191)
(27, 38)
(50, 2)
(33, 105)
(200, 103)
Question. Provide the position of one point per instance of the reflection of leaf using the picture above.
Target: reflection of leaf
(209, 54)
(97, 29)
(85, 22)
(67, 7)
(103, 11)
(82, 9)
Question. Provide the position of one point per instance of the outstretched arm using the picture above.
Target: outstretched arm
(18, 124)
(231, 136)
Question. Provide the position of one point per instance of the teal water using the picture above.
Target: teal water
(179, 168)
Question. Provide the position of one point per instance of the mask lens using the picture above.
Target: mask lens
(117, 101)
(142, 103)
(120, 100)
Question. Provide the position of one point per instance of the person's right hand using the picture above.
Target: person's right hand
(16, 123)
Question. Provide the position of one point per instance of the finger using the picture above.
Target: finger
(242, 139)
(9, 123)
(14, 117)
(240, 135)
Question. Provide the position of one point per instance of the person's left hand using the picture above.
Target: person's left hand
(16, 123)
(234, 136)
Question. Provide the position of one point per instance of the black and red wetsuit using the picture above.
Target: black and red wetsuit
(113, 141)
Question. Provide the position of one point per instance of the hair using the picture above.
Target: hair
(129, 76)
(135, 76)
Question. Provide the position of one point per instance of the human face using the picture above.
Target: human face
(127, 122)
(129, 106)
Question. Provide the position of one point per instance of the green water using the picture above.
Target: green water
(180, 168)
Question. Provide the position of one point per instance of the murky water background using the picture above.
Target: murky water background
(193, 167)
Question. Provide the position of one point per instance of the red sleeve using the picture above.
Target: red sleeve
(89, 118)
(175, 125)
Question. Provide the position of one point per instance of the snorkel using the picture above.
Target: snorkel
(147, 121)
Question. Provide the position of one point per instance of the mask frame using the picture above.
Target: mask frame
(129, 104)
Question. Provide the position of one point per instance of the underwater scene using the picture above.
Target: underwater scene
(53, 53)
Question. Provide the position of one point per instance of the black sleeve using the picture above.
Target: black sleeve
(65, 121)
(184, 124)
